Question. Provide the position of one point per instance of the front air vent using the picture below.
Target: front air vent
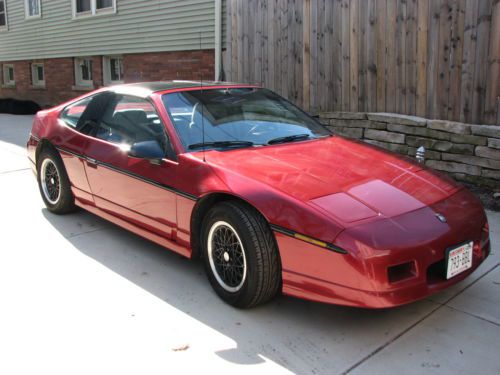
(401, 272)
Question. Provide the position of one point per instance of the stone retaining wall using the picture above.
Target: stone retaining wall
(468, 152)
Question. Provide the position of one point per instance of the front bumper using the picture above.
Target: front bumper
(364, 277)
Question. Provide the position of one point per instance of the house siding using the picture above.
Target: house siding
(138, 26)
(223, 23)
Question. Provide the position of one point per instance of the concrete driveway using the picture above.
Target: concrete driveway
(79, 295)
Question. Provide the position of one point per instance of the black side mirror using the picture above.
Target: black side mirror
(150, 150)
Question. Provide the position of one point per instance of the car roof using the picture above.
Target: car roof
(144, 89)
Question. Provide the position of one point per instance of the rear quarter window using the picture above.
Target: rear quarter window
(72, 113)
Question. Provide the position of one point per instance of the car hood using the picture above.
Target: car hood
(346, 179)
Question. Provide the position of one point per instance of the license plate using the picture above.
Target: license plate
(458, 259)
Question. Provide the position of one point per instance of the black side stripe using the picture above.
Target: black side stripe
(276, 228)
(282, 230)
(302, 237)
(131, 174)
(71, 152)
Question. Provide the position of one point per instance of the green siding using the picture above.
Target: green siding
(223, 23)
(138, 26)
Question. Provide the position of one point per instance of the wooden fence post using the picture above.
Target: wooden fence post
(306, 55)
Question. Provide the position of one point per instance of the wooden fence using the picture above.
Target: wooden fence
(432, 58)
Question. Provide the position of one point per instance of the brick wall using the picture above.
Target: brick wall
(467, 152)
(169, 66)
(60, 76)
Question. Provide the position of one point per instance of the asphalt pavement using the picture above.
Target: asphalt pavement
(79, 295)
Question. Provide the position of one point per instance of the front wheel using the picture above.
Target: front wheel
(240, 254)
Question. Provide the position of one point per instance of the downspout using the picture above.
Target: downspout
(218, 44)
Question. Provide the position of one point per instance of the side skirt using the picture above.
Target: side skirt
(170, 245)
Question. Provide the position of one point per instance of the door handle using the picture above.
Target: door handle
(92, 163)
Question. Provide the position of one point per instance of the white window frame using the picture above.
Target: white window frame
(35, 82)
(106, 70)
(6, 80)
(27, 10)
(93, 9)
(79, 81)
(6, 26)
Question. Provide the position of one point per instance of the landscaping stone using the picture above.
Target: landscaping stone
(459, 148)
(348, 132)
(459, 176)
(487, 152)
(494, 142)
(394, 118)
(468, 139)
(400, 149)
(385, 136)
(343, 115)
(440, 145)
(428, 143)
(417, 130)
(454, 167)
(358, 123)
(476, 180)
(490, 173)
(449, 126)
(377, 125)
(429, 154)
(472, 160)
(486, 130)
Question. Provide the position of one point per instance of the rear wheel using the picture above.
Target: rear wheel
(240, 254)
(53, 183)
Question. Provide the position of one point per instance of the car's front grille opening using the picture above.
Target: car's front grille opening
(436, 272)
(401, 272)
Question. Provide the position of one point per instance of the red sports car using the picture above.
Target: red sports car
(267, 196)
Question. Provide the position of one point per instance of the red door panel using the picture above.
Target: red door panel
(132, 188)
(70, 144)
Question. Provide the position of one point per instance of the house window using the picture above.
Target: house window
(83, 71)
(83, 6)
(104, 4)
(3, 15)
(37, 75)
(8, 75)
(33, 8)
(93, 7)
(113, 70)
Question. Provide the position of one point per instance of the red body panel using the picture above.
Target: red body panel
(377, 206)
(122, 195)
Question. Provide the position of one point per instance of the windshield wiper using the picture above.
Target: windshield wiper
(288, 138)
(221, 144)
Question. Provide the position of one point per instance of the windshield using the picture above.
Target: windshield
(239, 117)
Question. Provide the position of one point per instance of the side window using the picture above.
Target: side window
(88, 122)
(128, 120)
(72, 113)
(85, 114)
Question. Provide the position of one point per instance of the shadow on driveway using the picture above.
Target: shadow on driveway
(299, 335)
